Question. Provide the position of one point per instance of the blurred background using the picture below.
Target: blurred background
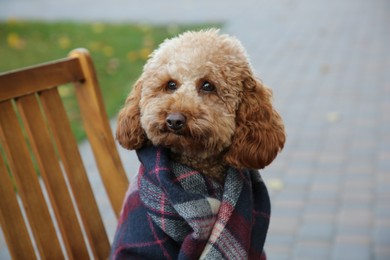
(328, 63)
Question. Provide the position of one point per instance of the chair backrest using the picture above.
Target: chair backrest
(34, 124)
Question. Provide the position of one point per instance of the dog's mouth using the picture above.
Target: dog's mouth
(181, 139)
(177, 140)
(179, 135)
(180, 132)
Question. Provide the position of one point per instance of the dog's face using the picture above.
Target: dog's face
(190, 94)
(198, 96)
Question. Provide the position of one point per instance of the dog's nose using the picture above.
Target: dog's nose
(176, 121)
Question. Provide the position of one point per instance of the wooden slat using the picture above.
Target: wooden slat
(99, 132)
(28, 185)
(77, 176)
(53, 178)
(29, 80)
(11, 219)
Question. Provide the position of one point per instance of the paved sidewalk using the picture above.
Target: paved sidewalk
(328, 63)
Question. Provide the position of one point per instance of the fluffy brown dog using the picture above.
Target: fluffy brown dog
(198, 97)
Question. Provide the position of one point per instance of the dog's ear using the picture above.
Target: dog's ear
(129, 132)
(259, 134)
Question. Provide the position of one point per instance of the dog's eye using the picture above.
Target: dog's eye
(207, 87)
(171, 85)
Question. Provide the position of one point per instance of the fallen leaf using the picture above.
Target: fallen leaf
(333, 117)
(275, 184)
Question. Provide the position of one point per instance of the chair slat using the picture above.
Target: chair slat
(53, 177)
(28, 184)
(13, 226)
(37, 78)
(99, 132)
(76, 173)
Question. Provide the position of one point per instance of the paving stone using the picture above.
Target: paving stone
(382, 252)
(284, 224)
(353, 230)
(278, 252)
(311, 249)
(283, 239)
(355, 217)
(310, 216)
(351, 251)
(321, 207)
(4, 254)
(381, 235)
(287, 208)
(319, 230)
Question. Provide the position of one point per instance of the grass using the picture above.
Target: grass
(119, 51)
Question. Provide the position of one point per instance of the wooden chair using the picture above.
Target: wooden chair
(30, 97)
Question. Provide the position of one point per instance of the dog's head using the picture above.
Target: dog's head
(198, 96)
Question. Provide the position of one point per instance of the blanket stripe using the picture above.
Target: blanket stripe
(174, 212)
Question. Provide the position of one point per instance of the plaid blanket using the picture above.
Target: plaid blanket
(174, 212)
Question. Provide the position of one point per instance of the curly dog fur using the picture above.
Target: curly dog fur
(198, 96)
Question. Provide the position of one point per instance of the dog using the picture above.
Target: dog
(199, 103)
